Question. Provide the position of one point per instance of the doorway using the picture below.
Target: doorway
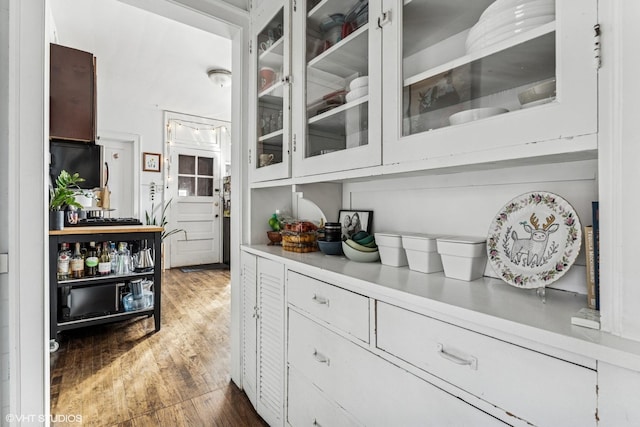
(195, 193)
(120, 155)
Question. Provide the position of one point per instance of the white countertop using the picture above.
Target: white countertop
(486, 305)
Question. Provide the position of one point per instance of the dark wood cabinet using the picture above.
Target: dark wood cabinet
(72, 108)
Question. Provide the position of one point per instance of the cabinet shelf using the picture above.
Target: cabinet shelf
(107, 318)
(338, 119)
(272, 136)
(272, 57)
(89, 281)
(509, 63)
(345, 58)
(273, 94)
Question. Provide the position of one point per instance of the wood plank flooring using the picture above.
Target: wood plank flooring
(125, 374)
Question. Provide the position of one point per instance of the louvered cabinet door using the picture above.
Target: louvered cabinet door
(249, 326)
(271, 341)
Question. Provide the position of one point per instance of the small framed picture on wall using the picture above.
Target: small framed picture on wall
(151, 162)
(354, 221)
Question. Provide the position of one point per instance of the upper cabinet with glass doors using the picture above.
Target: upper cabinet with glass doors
(269, 157)
(475, 81)
(337, 86)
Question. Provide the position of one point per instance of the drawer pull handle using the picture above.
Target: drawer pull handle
(320, 358)
(320, 300)
(472, 362)
(316, 423)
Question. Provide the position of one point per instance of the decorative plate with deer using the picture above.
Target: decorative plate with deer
(534, 240)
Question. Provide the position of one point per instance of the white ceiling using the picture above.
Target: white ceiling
(145, 58)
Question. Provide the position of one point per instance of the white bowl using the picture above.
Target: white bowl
(544, 90)
(359, 82)
(505, 32)
(499, 6)
(509, 17)
(475, 114)
(358, 247)
(355, 255)
(357, 93)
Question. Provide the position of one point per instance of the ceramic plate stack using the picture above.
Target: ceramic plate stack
(507, 18)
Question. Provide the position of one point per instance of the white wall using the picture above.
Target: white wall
(466, 203)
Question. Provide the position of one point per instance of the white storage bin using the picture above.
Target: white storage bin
(422, 252)
(391, 251)
(463, 257)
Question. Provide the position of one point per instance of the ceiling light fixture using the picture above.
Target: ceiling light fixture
(220, 77)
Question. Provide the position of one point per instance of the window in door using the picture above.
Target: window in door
(195, 176)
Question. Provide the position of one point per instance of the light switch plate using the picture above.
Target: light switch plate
(4, 263)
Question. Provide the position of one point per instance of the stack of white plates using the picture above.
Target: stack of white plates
(507, 18)
(358, 88)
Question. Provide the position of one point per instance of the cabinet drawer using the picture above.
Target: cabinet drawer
(372, 390)
(343, 309)
(309, 407)
(540, 389)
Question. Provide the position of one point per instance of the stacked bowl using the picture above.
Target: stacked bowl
(507, 18)
(361, 247)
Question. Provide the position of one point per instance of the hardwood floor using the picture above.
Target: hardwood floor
(124, 374)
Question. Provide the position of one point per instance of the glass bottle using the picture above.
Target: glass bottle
(77, 263)
(104, 262)
(91, 261)
(273, 123)
(124, 259)
(113, 256)
(64, 259)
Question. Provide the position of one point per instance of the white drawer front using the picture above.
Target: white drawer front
(343, 309)
(309, 407)
(374, 391)
(540, 389)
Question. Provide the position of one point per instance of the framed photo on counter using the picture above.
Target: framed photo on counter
(353, 221)
(151, 162)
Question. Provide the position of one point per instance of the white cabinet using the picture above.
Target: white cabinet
(618, 397)
(372, 390)
(450, 61)
(269, 155)
(263, 336)
(344, 310)
(337, 86)
(508, 376)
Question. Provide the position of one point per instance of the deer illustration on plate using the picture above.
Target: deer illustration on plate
(530, 251)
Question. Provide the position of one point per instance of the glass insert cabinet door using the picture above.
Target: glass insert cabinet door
(340, 96)
(272, 52)
(515, 71)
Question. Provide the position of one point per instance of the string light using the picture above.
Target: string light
(197, 126)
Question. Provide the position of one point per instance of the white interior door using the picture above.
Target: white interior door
(196, 207)
(119, 168)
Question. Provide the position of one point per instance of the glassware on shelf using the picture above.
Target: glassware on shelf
(140, 297)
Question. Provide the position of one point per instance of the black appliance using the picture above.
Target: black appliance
(85, 159)
(91, 301)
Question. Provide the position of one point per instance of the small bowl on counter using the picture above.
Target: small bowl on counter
(330, 247)
(359, 256)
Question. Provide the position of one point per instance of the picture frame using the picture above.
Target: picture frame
(353, 221)
(151, 162)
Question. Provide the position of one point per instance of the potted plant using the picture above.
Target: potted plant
(63, 195)
(150, 219)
